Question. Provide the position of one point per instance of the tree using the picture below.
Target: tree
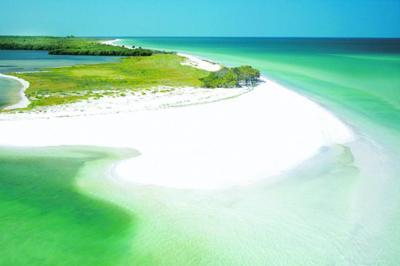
(247, 75)
(232, 77)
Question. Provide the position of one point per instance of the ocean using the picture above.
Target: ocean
(341, 207)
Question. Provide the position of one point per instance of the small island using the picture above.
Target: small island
(138, 70)
(69, 45)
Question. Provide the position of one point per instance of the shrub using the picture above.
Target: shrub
(232, 77)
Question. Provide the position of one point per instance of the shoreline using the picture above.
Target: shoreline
(24, 101)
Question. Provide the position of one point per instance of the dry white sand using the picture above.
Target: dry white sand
(200, 63)
(151, 99)
(110, 42)
(216, 145)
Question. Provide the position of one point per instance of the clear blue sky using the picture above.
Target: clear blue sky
(314, 18)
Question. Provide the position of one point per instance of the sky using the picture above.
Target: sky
(269, 18)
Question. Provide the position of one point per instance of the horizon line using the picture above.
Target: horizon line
(203, 36)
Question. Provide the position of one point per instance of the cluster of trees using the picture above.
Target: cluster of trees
(27, 43)
(68, 46)
(232, 77)
(101, 51)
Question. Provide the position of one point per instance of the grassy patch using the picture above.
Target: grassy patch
(71, 84)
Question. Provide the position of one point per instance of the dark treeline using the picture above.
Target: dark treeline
(69, 46)
(105, 52)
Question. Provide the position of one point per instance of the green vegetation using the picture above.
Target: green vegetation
(232, 77)
(69, 46)
(71, 84)
(143, 69)
(46, 220)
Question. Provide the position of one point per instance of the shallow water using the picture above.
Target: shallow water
(46, 220)
(341, 207)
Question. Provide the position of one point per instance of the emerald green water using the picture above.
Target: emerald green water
(46, 220)
(341, 207)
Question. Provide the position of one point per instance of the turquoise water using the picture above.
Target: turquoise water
(22, 61)
(341, 207)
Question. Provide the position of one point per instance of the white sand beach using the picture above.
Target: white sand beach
(152, 99)
(110, 42)
(200, 63)
(220, 144)
(24, 101)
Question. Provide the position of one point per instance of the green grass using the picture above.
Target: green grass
(46, 220)
(63, 85)
(70, 84)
